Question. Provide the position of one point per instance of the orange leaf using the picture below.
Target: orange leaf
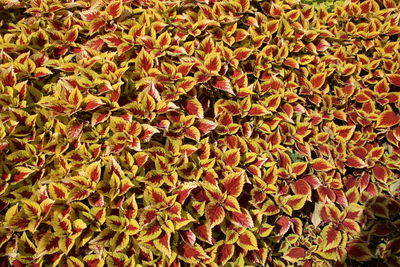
(321, 165)
(232, 157)
(331, 237)
(233, 183)
(215, 214)
(318, 80)
(355, 162)
(247, 241)
(299, 167)
(294, 254)
(212, 63)
(222, 83)
(394, 79)
(194, 107)
(359, 252)
(387, 119)
(114, 9)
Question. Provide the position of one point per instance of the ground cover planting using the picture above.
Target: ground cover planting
(199, 133)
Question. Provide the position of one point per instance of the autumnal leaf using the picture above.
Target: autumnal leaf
(331, 237)
(215, 214)
(114, 9)
(318, 80)
(359, 252)
(321, 165)
(247, 241)
(355, 162)
(294, 254)
(233, 183)
(194, 107)
(387, 119)
(212, 63)
(394, 79)
(222, 83)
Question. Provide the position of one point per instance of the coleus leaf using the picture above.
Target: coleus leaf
(191, 254)
(394, 79)
(225, 252)
(215, 214)
(331, 237)
(144, 61)
(58, 191)
(194, 107)
(212, 63)
(387, 119)
(318, 80)
(241, 219)
(242, 53)
(233, 183)
(321, 165)
(231, 157)
(359, 252)
(248, 241)
(93, 171)
(93, 260)
(163, 244)
(222, 83)
(294, 254)
(114, 9)
(355, 162)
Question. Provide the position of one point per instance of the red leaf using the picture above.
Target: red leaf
(248, 241)
(184, 68)
(9, 78)
(321, 165)
(345, 132)
(113, 41)
(193, 133)
(194, 107)
(242, 219)
(294, 254)
(355, 162)
(301, 187)
(387, 119)
(232, 157)
(21, 175)
(258, 110)
(114, 9)
(189, 251)
(291, 63)
(212, 63)
(394, 79)
(350, 226)
(205, 126)
(215, 214)
(147, 132)
(382, 87)
(233, 183)
(380, 173)
(90, 14)
(72, 35)
(318, 80)
(223, 84)
(225, 252)
(282, 225)
(242, 53)
(204, 232)
(299, 167)
(359, 252)
(331, 237)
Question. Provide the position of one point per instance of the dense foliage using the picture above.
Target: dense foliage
(328, 4)
(201, 133)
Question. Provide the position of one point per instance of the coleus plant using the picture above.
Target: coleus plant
(199, 133)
